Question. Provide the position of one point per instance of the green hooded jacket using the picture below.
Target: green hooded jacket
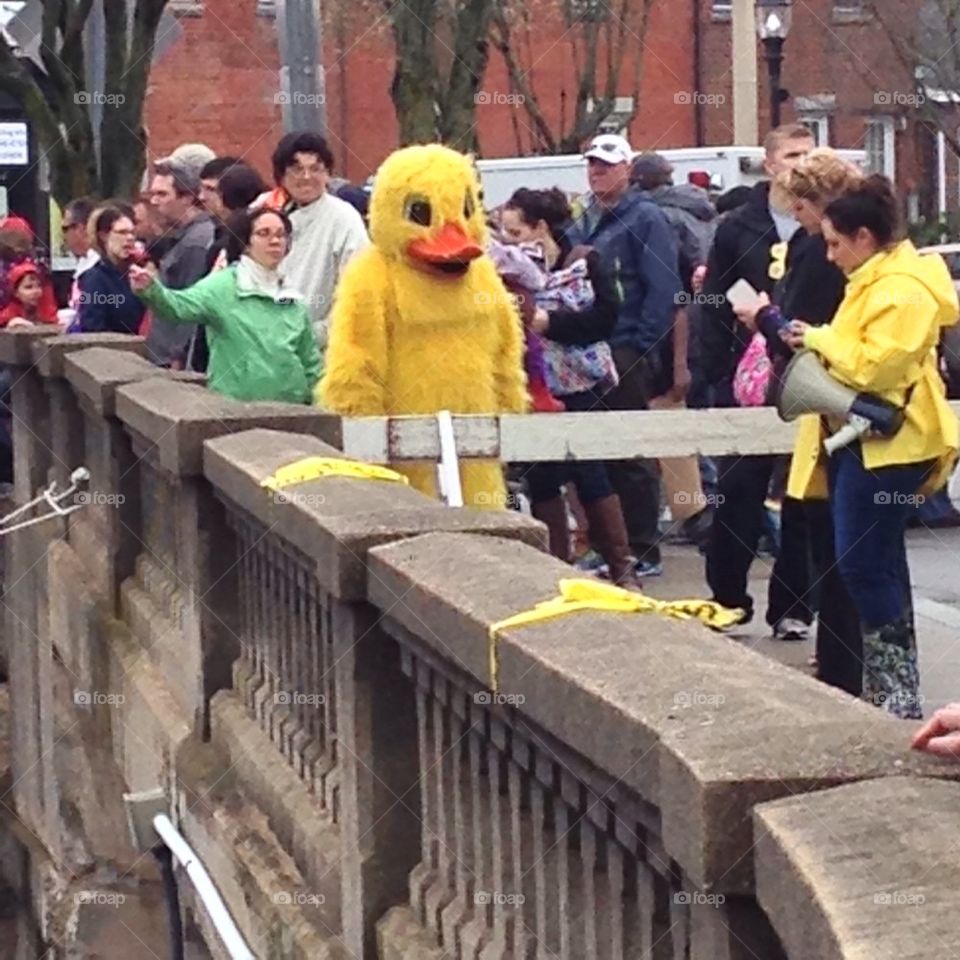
(261, 348)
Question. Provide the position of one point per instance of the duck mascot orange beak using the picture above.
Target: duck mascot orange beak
(451, 250)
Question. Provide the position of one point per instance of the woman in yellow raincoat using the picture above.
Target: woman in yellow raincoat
(882, 341)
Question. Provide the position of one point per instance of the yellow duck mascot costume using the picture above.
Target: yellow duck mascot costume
(421, 322)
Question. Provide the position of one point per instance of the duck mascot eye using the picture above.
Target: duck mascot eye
(420, 321)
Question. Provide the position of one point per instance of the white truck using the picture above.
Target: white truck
(727, 167)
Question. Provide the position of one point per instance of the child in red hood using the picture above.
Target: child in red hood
(29, 303)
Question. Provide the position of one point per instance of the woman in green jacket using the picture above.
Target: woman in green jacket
(262, 346)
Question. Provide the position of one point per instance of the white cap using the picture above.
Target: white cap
(610, 148)
(192, 156)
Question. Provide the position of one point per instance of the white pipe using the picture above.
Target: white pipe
(449, 466)
(942, 172)
(216, 908)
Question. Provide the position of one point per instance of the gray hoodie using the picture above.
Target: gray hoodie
(692, 216)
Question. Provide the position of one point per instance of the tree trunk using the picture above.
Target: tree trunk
(56, 104)
(414, 88)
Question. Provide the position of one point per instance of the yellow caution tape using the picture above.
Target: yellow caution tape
(576, 595)
(315, 468)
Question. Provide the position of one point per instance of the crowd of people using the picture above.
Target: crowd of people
(623, 295)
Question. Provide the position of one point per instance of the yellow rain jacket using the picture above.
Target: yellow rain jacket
(883, 341)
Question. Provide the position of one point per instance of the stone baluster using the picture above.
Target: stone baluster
(457, 912)
(314, 748)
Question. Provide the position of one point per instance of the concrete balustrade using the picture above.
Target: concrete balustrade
(308, 675)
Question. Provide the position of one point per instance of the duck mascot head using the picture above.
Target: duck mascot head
(421, 322)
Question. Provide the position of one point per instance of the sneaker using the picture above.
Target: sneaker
(790, 628)
(592, 562)
(644, 568)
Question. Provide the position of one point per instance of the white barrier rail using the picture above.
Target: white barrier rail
(606, 435)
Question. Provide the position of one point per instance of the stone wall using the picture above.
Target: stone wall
(309, 676)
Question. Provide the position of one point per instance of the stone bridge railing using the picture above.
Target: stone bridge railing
(308, 675)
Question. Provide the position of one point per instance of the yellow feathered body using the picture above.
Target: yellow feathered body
(409, 340)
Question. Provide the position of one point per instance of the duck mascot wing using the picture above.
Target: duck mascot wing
(421, 322)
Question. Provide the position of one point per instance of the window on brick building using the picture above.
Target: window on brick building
(879, 142)
(819, 126)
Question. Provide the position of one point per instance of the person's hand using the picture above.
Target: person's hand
(792, 334)
(698, 278)
(747, 315)
(141, 277)
(681, 383)
(541, 320)
(19, 322)
(940, 735)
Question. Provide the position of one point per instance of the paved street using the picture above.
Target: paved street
(935, 569)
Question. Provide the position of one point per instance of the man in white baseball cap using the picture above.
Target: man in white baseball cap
(634, 240)
(609, 147)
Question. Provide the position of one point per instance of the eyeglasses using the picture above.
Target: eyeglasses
(300, 171)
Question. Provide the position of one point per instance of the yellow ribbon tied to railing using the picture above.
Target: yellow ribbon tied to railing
(597, 597)
(315, 468)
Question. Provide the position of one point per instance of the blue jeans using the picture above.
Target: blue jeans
(870, 510)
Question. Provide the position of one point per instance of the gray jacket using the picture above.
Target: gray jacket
(693, 218)
(181, 266)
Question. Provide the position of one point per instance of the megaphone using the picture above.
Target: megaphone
(807, 387)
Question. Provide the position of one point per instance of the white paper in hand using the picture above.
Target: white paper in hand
(742, 294)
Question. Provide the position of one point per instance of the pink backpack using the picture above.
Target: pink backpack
(752, 378)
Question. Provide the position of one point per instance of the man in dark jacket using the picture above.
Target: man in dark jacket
(687, 208)
(175, 195)
(636, 244)
(750, 244)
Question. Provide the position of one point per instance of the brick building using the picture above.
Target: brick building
(219, 82)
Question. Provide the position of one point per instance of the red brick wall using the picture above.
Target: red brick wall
(217, 84)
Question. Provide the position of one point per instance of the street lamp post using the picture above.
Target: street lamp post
(773, 24)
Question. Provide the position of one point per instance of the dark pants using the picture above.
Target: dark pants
(637, 482)
(839, 641)
(590, 476)
(870, 512)
(735, 535)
